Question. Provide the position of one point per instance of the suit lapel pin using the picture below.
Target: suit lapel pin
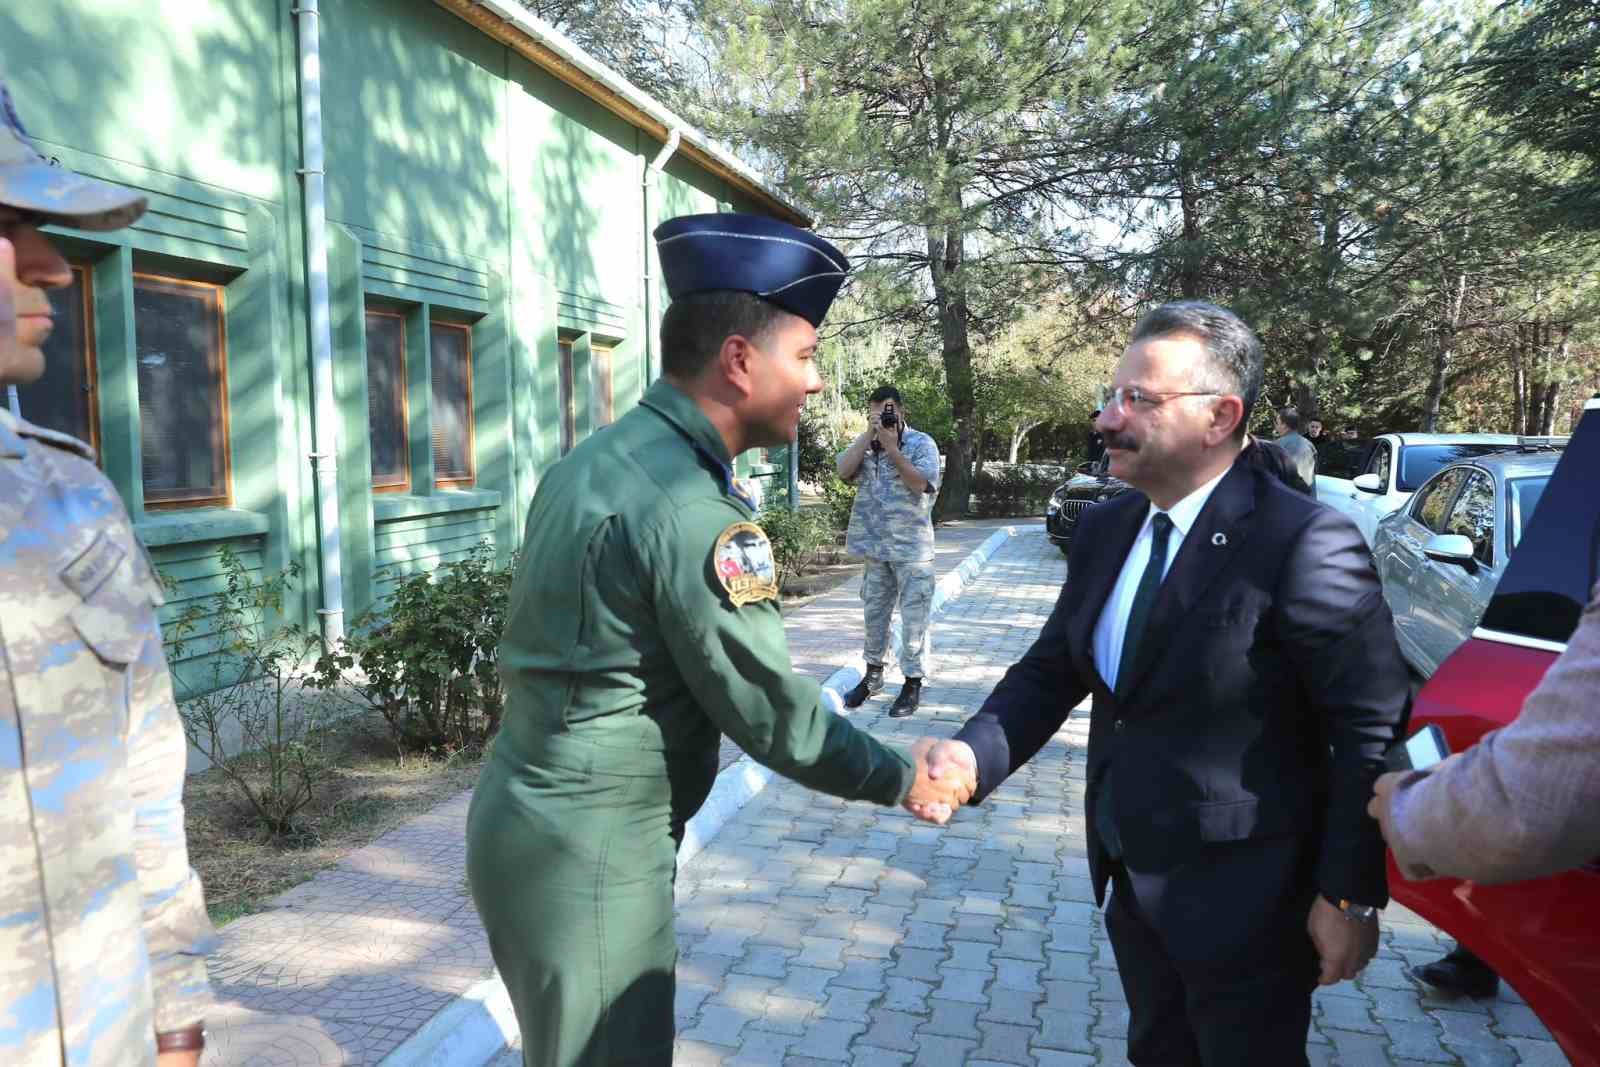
(1219, 539)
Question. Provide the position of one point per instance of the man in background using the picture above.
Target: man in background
(1301, 452)
(895, 470)
(103, 929)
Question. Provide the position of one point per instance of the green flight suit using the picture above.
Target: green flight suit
(625, 658)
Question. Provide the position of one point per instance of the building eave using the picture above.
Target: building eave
(550, 50)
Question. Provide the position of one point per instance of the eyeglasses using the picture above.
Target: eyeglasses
(1125, 398)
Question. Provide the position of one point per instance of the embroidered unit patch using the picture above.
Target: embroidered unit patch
(744, 566)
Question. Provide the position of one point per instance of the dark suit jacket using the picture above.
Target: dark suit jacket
(1267, 688)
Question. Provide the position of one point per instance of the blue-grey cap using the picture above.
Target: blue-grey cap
(782, 264)
(29, 182)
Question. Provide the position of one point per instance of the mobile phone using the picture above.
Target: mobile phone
(1419, 751)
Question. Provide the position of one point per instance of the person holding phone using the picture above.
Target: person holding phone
(896, 473)
(1520, 803)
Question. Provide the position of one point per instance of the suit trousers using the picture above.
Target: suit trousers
(1250, 1011)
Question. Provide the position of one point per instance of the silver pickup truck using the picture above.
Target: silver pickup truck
(1396, 466)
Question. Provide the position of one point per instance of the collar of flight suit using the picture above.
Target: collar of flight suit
(679, 409)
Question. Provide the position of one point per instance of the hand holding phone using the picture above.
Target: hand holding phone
(1419, 751)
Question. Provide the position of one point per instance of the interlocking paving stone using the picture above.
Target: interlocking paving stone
(817, 932)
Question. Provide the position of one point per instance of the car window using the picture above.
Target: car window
(1472, 515)
(1432, 505)
(1522, 496)
(1418, 463)
(1342, 459)
(1547, 581)
(1378, 463)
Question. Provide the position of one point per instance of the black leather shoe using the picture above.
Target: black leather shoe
(906, 703)
(871, 682)
(1459, 974)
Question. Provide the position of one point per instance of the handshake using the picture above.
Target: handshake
(947, 776)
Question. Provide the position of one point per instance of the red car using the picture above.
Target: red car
(1541, 936)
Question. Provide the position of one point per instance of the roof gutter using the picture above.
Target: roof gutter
(512, 25)
(651, 259)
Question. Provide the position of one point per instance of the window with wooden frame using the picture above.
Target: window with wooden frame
(180, 345)
(569, 415)
(387, 409)
(450, 357)
(65, 398)
(600, 377)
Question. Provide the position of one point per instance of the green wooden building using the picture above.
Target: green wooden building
(361, 362)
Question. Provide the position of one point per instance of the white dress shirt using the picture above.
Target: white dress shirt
(1112, 627)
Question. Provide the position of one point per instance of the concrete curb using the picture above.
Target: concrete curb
(481, 1021)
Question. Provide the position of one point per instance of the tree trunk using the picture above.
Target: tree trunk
(1018, 435)
(1519, 384)
(946, 246)
(1443, 354)
(1189, 274)
(977, 465)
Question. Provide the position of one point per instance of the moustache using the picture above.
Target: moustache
(1121, 442)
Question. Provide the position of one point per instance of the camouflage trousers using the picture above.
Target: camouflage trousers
(911, 584)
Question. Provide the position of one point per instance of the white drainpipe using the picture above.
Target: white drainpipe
(652, 370)
(325, 413)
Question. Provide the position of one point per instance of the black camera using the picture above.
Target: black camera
(888, 416)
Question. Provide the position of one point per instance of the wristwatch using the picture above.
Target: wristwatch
(1365, 913)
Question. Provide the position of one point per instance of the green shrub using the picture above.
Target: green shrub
(428, 661)
(796, 536)
(838, 497)
(1014, 490)
(251, 714)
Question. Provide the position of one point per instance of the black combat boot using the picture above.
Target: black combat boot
(870, 684)
(906, 703)
(1460, 974)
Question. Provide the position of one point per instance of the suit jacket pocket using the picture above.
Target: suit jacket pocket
(1228, 820)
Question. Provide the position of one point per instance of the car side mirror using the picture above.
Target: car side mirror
(1451, 548)
(1368, 483)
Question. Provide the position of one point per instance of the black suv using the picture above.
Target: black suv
(1090, 485)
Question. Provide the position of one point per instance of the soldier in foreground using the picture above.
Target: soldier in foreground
(103, 932)
(643, 624)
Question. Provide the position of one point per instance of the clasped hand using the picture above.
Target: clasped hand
(947, 776)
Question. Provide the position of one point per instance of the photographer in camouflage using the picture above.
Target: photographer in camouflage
(896, 473)
(103, 930)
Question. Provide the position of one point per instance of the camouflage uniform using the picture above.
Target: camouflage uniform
(103, 931)
(893, 528)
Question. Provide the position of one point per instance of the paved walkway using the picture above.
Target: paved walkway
(343, 968)
(815, 931)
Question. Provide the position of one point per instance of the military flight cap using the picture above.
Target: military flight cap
(30, 183)
(782, 264)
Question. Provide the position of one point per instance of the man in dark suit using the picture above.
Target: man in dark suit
(1246, 683)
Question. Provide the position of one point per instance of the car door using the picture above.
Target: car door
(1342, 495)
(1448, 598)
(1406, 584)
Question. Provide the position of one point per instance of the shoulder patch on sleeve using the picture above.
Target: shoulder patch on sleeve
(743, 563)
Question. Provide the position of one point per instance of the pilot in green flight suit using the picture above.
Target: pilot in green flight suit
(643, 625)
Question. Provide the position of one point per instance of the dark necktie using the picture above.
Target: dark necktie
(1144, 599)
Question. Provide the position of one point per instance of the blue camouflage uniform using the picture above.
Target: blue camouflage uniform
(103, 929)
(892, 526)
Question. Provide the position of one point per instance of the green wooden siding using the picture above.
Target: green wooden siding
(465, 184)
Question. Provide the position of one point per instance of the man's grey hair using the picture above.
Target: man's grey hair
(1233, 351)
(1291, 418)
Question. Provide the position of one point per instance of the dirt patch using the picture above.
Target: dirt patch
(368, 792)
(823, 576)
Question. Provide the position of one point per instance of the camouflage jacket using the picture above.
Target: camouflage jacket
(103, 931)
(888, 521)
